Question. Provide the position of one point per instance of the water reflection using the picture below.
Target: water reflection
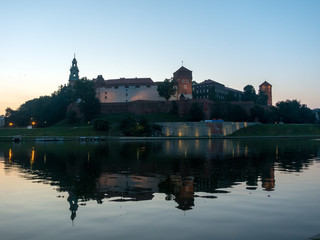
(133, 171)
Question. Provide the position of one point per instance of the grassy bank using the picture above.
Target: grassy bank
(51, 131)
(86, 129)
(279, 130)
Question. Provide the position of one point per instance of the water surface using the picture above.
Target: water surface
(180, 189)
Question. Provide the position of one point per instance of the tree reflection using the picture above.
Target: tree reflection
(134, 171)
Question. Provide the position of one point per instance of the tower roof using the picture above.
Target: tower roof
(182, 73)
(182, 69)
(265, 83)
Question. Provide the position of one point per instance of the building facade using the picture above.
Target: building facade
(183, 82)
(215, 91)
(267, 89)
(126, 89)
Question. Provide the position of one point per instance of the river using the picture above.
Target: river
(170, 189)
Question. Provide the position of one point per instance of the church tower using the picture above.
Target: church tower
(74, 71)
(183, 81)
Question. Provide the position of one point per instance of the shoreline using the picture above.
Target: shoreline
(112, 138)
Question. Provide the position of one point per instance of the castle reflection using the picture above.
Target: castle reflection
(134, 171)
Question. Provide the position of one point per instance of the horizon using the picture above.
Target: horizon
(236, 43)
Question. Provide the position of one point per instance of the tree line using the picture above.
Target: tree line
(49, 110)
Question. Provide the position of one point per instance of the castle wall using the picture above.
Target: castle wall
(128, 93)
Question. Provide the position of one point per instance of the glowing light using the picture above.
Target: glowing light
(10, 124)
(167, 132)
(180, 134)
(197, 133)
(33, 123)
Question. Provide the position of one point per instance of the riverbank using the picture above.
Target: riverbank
(88, 134)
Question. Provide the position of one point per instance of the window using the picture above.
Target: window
(105, 93)
(127, 94)
(148, 86)
(137, 86)
(116, 87)
(126, 86)
(182, 80)
(105, 97)
(185, 86)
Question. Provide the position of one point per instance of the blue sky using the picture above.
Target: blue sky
(233, 42)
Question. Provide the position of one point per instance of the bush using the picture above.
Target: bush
(133, 127)
(72, 117)
(101, 125)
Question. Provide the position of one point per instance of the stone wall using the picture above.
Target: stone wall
(201, 129)
(142, 107)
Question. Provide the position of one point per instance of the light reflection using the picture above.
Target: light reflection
(32, 156)
(197, 144)
(246, 151)
(10, 155)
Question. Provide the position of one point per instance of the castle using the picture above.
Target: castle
(119, 95)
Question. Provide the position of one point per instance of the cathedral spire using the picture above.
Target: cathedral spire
(74, 71)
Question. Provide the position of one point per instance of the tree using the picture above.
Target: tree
(85, 95)
(238, 114)
(291, 111)
(262, 98)
(257, 113)
(166, 89)
(249, 93)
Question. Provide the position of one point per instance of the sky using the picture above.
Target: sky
(234, 42)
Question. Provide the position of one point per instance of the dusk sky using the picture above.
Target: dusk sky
(235, 43)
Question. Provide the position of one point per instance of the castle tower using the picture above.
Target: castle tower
(74, 71)
(267, 89)
(183, 80)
